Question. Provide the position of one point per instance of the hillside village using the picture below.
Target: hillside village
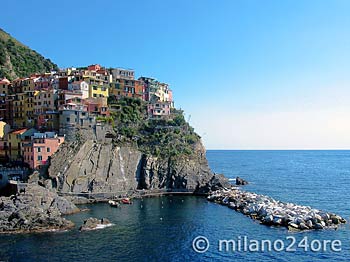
(40, 112)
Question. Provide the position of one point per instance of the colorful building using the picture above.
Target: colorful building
(4, 86)
(126, 88)
(15, 140)
(6, 109)
(4, 130)
(94, 67)
(121, 73)
(19, 110)
(98, 89)
(44, 100)
(97, 106)
(41, 147)
(159, 109)
(80, 87)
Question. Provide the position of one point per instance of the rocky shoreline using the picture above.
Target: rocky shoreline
(35, 210)
(39, 209)
(276, 213)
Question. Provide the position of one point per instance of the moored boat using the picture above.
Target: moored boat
(113, 203)
(126, 201)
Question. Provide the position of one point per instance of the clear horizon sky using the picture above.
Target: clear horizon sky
(252, 74)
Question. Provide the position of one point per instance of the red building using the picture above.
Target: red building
(94, 67)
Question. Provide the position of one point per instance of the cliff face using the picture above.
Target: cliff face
(99, 166)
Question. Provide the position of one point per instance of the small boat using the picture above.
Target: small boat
(113, 203)
(126, 201)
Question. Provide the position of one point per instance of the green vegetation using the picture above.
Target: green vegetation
(17, 60)
(169, 137)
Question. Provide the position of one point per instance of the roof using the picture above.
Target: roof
(5, 81)
(20, 131)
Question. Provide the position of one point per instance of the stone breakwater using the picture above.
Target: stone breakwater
(275, 213)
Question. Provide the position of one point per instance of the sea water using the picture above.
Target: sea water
(164, 228)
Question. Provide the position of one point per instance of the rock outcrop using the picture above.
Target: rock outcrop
(101, 166)
(271, 212)
(241, 181)
(94, 223)
(35, 210)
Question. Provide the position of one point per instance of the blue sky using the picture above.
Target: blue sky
(252, 74)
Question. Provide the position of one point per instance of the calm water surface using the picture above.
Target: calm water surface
(162, 229)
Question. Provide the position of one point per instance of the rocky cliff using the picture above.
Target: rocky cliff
(98, 165)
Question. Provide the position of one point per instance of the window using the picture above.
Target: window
(39, 149)
(40, 158)
(48, 150)
(68, 119)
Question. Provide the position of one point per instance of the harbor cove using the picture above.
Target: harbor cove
(163, 228)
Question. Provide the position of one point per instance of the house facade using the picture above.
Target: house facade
(40, 148)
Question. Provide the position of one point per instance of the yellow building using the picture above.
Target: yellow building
(14, 143)
(99, 82)
(4, 130)
(4, 86)
(98, 89)
(16, 140)
(28, 85)
(18, 110)
(29, 108)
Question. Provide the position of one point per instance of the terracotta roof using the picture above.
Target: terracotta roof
(5, 81)
(20, 131)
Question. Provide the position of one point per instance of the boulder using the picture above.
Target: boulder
(64, 206)
(94, 223)
(303, 226)
(241, 181)
(318, 226)
(309, 224)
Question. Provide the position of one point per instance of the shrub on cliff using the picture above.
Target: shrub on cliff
(17, 60)
(171, 137)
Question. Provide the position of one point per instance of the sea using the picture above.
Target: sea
(188, 228)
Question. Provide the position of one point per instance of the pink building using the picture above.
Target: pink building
(159, 109)
(42, 146)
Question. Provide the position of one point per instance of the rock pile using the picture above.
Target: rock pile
(272, 212)
(35, 210)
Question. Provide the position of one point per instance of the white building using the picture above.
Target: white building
(80, 86)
